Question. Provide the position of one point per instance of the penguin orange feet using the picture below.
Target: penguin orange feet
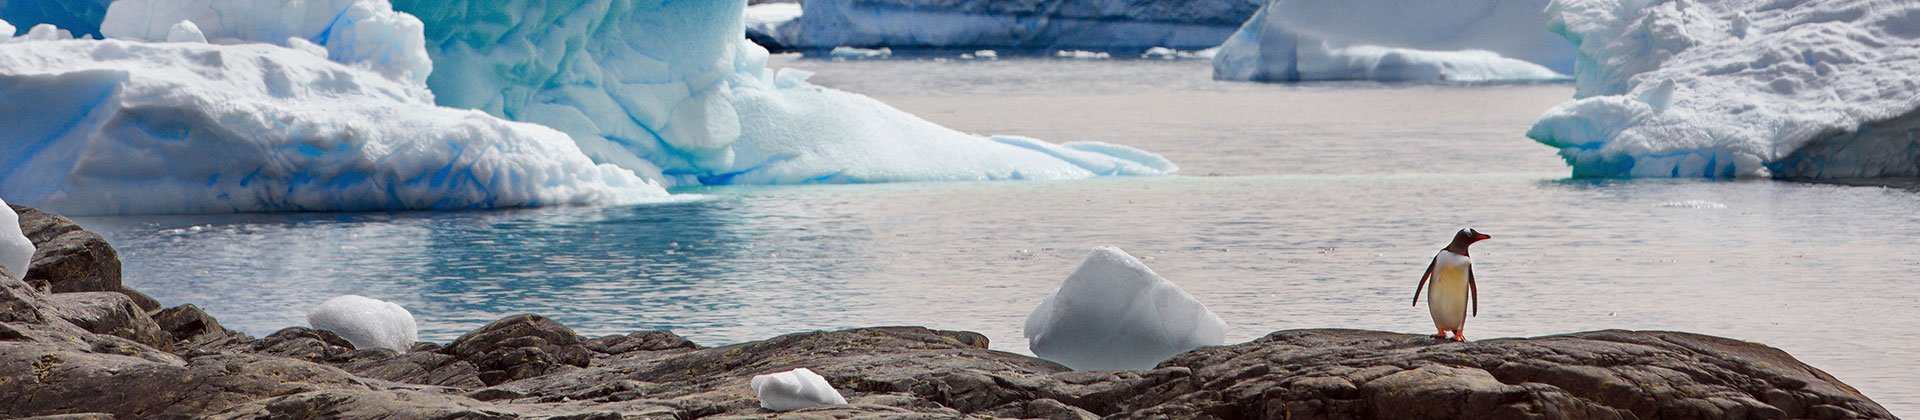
(1442, 335)
(1460, 336)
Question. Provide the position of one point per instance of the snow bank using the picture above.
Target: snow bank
(1719, 89)
(16, 251)
(1129, 26)
(674, 92)
(366, 322)
(1114, 313)
(116, 127)
(355, 32)
(1386, 40)
(795, 389)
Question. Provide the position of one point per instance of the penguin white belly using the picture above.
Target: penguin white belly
(1447, 291)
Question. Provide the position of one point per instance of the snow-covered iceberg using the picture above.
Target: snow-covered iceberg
(1126, 26)
(1719, 89)
(1114, 313)
(1389, 40)
(366, 322)
(16, 251)
(123, 127)
(674, 92)
(794, 390)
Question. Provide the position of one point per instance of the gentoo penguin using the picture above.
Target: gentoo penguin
(1453, 290)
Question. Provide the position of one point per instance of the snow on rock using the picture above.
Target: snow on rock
(361, 32)
(16, 251)
(1129, 26)
(1720, 89)
(1114, 313)
(118, 127)
(1390, 40)
(795, 389)
(366, 322)
(671, 90)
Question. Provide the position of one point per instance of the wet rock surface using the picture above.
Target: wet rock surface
(88, 354)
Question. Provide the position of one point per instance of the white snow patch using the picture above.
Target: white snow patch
(16, 251)
(1721, 89)
(1114, 313)
(366, 322)
(795, 389)
(1388, 40)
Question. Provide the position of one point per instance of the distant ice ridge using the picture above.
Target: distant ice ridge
(1129, 26)
(1721, 89)
(16, 251)
(1114, 313)
(366, 322)
(795, 389)
(119, 127)
(1389, 40)
(767, 23)
(672, 91)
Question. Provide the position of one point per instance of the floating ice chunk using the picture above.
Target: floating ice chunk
(795, 389)
(987, 54)
(1389, 40)
(16, 251)
(186, 31)
(1720, 89)
(852, 53)
(116, 127)
(1692, 204)
(1115, 313)
(366, 322)
(1082, 55)
(363, 32)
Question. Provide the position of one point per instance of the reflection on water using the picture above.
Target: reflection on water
(1332, 201)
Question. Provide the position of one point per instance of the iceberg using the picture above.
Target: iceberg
(794, 390)
(1726, 89)
(366, 322)
(1114, 313)
(1382, 40)
(81, 17)
(127, 127)
(672, 91)
(16, 251)
(766, 23)
(1123, 26)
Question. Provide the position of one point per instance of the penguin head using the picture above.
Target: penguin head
(1468, 237)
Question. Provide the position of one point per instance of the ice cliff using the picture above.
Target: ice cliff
(1721, 89)
(1387, 40)
(1127, 26)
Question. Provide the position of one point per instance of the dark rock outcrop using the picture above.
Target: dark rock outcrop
(81, 354)
(68, 259)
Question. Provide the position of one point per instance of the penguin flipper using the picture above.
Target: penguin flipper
(1473, 291)
(1423, 280)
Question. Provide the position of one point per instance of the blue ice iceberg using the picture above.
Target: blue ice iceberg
(1722, 89)
(1128, 26)
(1459, 41)
(674, 92)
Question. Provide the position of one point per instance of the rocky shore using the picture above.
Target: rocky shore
(74, 341)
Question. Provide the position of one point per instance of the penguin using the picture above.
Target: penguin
(1453, 290)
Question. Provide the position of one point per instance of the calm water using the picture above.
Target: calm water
(1300, 207)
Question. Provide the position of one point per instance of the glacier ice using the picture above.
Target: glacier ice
(1127, 26)
(766, 23)
(1722, 89)
(674, 92)
(795, 389)
(1114, 313)
(119, 127)
(16, 251)
(366, 322)
(355, 32)
(1385, 40)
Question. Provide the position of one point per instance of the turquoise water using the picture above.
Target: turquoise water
(1300, 207)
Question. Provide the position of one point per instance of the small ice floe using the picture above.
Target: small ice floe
(851, 53)
(1082, 55)
(795, 389)
(16, 251)
(366, 322)
(981, 55)
(1114, 313)
(1692, 204)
